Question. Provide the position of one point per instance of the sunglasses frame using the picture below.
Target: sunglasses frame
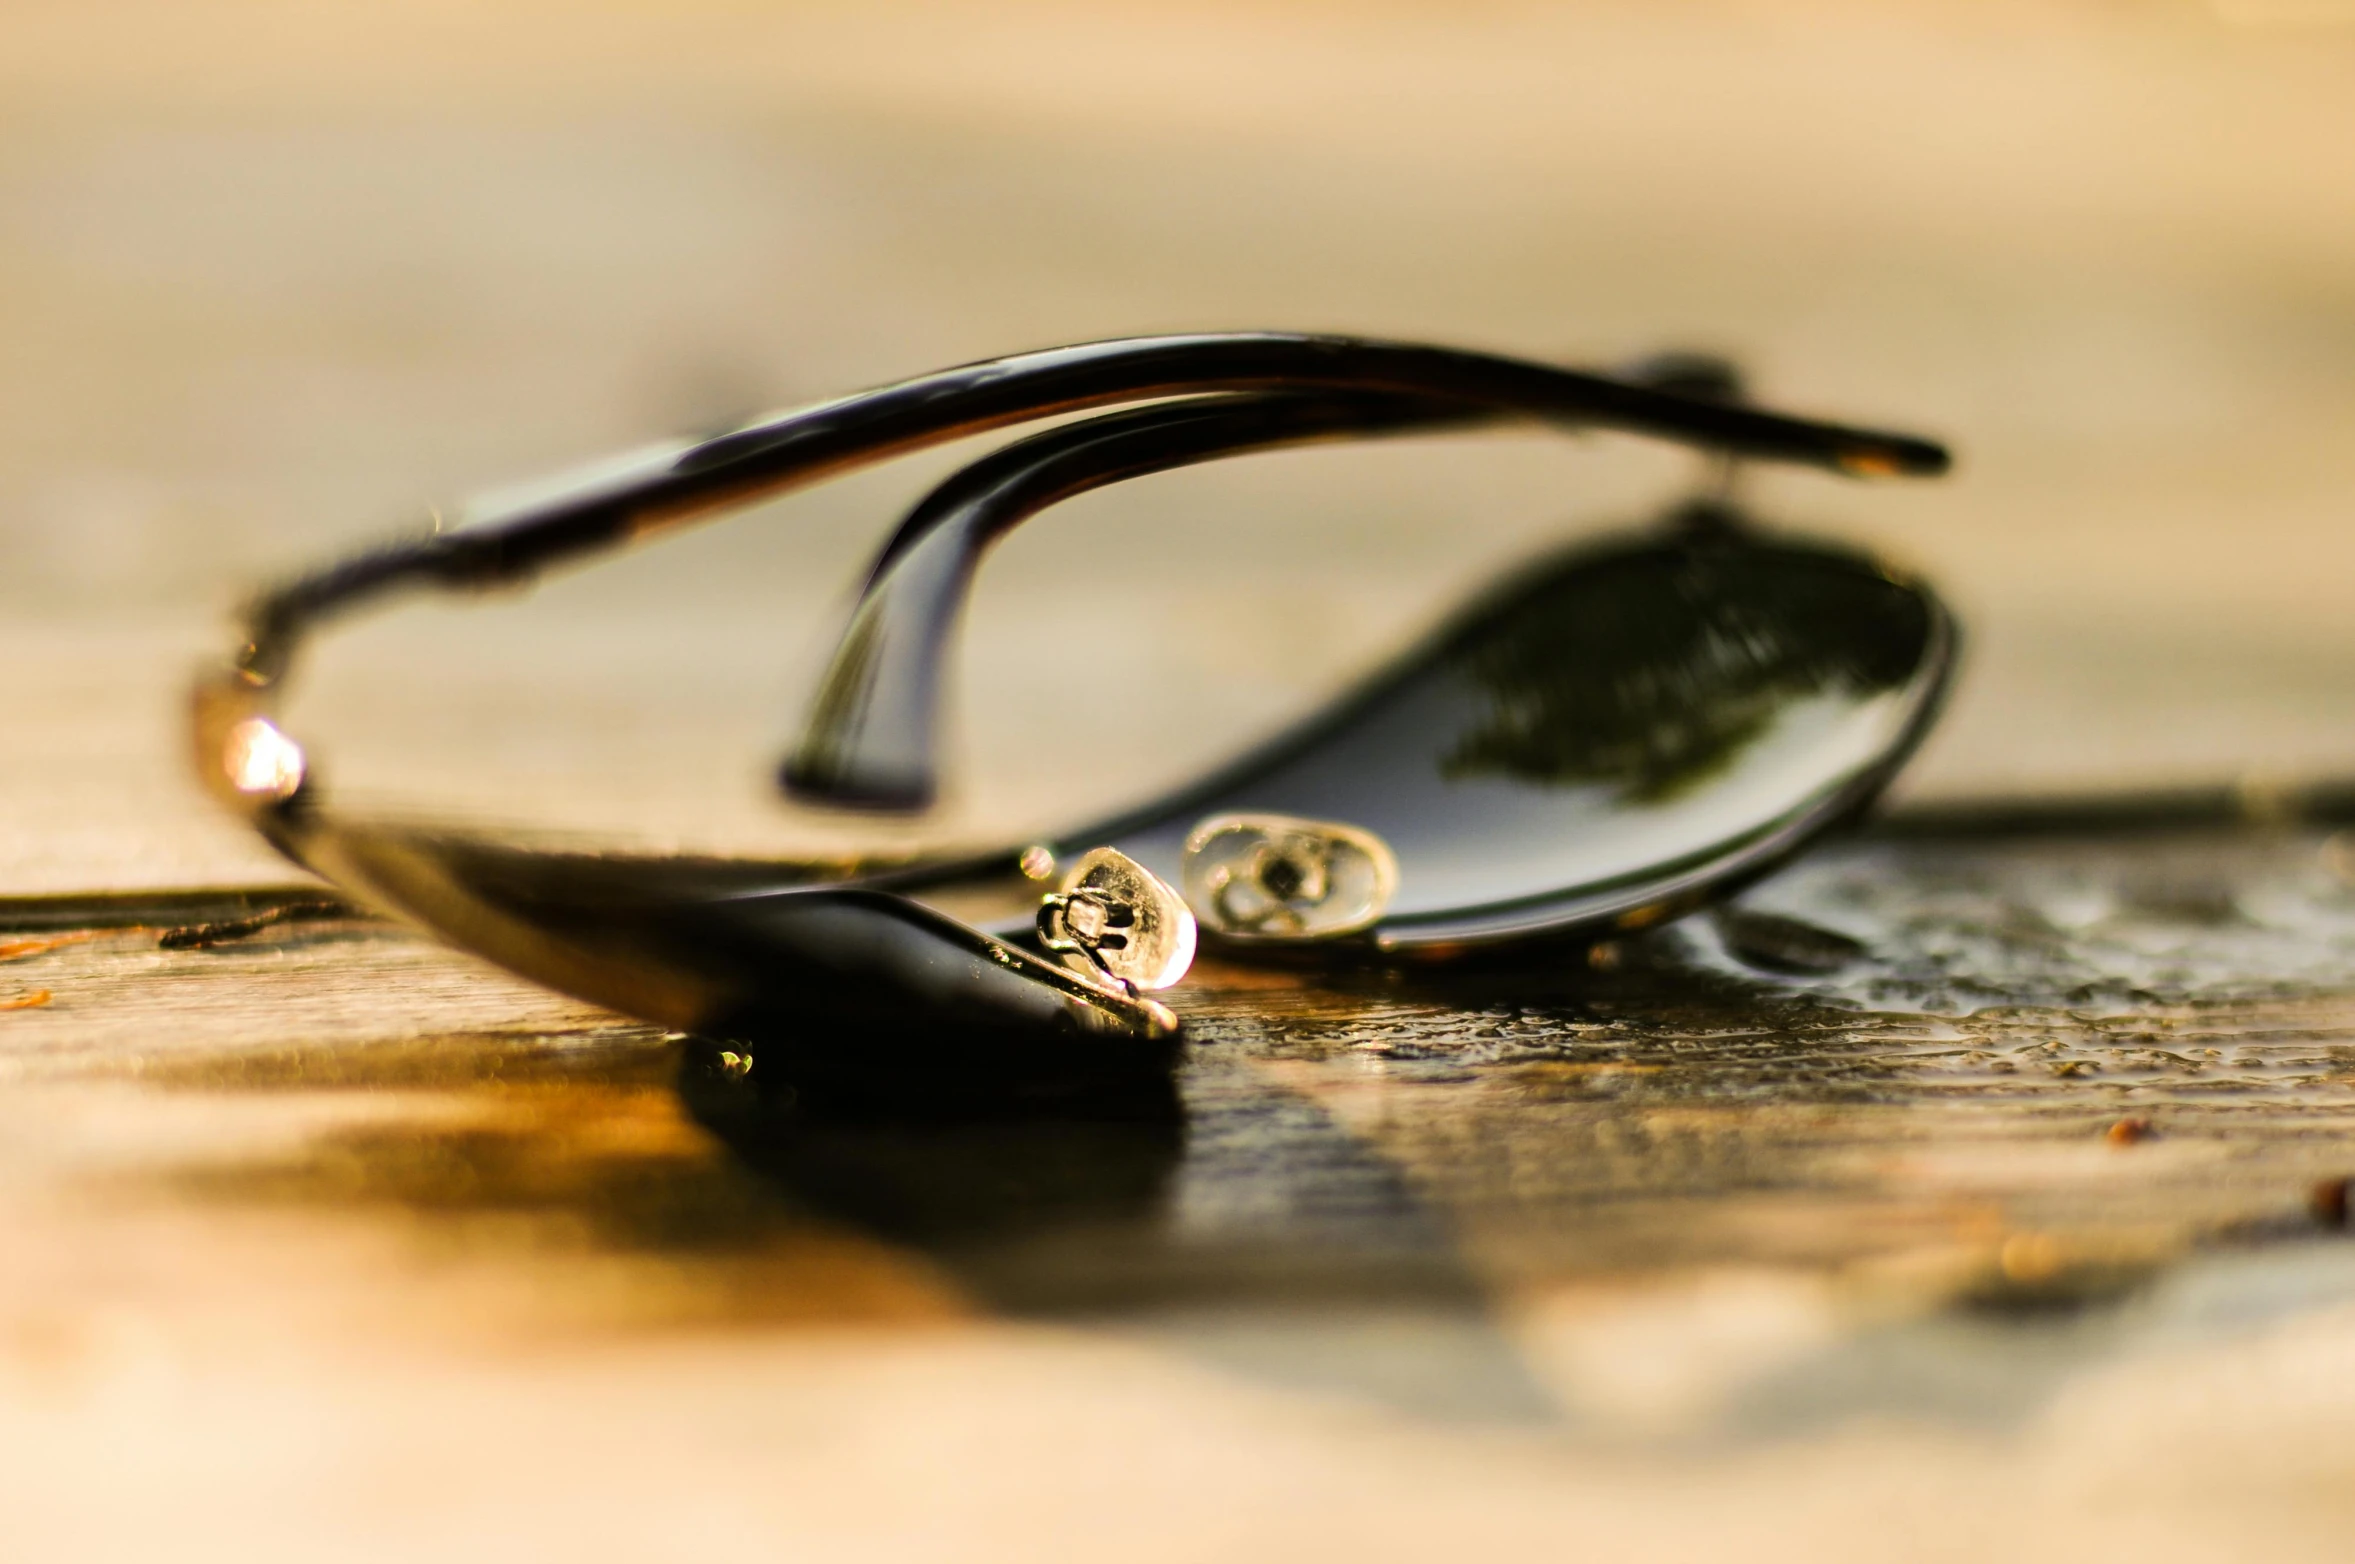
(1211, 395)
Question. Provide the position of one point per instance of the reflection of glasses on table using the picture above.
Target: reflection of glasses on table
(1612, 737)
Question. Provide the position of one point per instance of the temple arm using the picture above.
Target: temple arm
(872, 736)
(513, 538)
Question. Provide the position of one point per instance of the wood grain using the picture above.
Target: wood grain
(2037, 1190)
(2020, 1234)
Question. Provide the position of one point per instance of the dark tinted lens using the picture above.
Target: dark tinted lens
(1610, 724)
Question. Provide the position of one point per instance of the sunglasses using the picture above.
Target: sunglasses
(1611, 737)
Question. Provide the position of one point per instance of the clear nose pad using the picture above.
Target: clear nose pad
(1278, 877)
(1115, 921)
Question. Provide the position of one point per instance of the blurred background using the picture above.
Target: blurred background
(276, 278)
(341, 1245)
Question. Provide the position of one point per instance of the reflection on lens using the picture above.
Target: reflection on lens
(1623, 727)
(1653, 675)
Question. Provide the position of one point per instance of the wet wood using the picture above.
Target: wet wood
(1976, 1193)
(1521, 1249)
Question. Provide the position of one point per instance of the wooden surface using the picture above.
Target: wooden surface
(2018, 1234)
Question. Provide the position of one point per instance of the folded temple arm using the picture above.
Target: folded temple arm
(514, 538)
(872, 736)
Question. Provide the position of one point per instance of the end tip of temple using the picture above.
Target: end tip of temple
(1901, 458)
(832, 785)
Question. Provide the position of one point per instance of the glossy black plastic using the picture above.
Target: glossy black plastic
(871, 739)
(1468, 753)
(1617, 734)
(515, 537)
(842, 983)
